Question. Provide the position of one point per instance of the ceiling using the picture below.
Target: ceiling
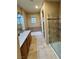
(29, 5)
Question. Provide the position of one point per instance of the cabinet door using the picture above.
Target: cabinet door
(25, 47)
(24, 50)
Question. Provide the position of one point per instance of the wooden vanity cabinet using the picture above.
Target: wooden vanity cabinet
(25, 47)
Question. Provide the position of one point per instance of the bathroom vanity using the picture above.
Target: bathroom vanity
(24, 41)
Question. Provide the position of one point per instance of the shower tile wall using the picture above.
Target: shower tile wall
(54, 30)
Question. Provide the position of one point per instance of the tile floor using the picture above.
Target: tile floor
(39, 49)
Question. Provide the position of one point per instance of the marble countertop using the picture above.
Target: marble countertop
(23, 37)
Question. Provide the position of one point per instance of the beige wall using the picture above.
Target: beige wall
(18, 50)
(24, 13)
(37, 24)
(27, 19)
(51, 9)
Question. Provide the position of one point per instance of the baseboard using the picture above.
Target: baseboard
(33, 29)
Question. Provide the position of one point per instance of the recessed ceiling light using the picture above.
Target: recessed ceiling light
(36, 6)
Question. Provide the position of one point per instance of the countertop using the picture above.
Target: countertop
(23, 37)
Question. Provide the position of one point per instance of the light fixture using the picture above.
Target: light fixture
(36, 7)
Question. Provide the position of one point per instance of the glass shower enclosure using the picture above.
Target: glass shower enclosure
(54, 26)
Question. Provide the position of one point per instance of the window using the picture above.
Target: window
(20, 22)
(20, 19)
(33, 19)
